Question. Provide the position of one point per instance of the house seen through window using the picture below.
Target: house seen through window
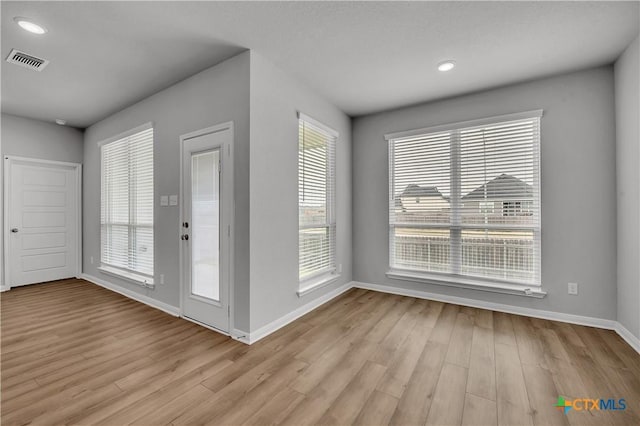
(465, 201)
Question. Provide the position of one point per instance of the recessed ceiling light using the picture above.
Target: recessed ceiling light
(446, 65)
(29, 25)
(61, 121)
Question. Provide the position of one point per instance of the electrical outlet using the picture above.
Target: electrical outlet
(161, 278)
(92, 260)
(573, 288)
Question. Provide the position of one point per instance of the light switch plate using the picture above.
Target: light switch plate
(573, 289)
(164, 200)
(173, 200)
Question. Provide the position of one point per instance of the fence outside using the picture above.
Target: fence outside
(492, 257)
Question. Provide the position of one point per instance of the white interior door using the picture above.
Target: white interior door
(206, 220)
(41, 221)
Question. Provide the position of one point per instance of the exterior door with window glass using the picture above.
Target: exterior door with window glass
(206, 215)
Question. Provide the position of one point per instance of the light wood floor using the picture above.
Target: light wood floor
(73, 352)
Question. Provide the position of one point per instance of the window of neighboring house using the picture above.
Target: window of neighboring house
(517, 208)
(316, 202)
(485, 207)
(511, 208)
(126, 220)
(469, 163)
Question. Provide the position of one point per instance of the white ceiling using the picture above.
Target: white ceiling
(362, 56)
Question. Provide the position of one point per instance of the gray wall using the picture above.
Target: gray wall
(275, 99)
(627, 92)
(213, 96)
(25, 137)
(578, 187)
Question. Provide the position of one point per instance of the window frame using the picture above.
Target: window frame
(327, 275)
(128, 274)
(456, 278)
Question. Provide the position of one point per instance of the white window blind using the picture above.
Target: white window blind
(316, 198)
(465, 200)
(127, 204)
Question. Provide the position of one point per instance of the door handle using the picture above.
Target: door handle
(184, 237)
(14, 230)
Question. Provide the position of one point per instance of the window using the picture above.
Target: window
(485, 206)
(316, 199)
(482, 221)
(516, 208)
(127, 205)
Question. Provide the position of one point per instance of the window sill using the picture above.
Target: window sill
(128, 276)
(465, 282)
(316, 283)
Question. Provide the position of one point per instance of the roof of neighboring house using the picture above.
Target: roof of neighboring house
(421, 191)
(502, 187)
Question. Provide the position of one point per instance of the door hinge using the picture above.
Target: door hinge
(228, 230)
(229, 311)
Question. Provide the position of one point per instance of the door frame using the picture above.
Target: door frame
(231, 205)
(9, 160)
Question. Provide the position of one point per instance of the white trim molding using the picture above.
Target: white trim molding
(273, 326)
(606, 324)
(498, 307)
(632, 340)
(317, 283)
(127, 133)
(313, 121)
(4, 288)
(470, 283)
(127, 276)
(240, 335)
(165, 307)
(264, 331)
(465, 124)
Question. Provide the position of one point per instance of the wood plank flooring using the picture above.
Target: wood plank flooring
(75, 353)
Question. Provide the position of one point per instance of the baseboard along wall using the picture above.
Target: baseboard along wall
(170, 309)
(262, 332)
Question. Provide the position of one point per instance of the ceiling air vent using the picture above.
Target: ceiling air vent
(27, 61)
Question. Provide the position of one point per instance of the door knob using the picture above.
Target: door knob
(14, 230)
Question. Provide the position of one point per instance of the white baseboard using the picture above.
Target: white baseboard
(500, 307)
(277, 324)
(4, 288)
(264, 331)
(240, 336)
(632, 340)
(607, 324)
(172, 310)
